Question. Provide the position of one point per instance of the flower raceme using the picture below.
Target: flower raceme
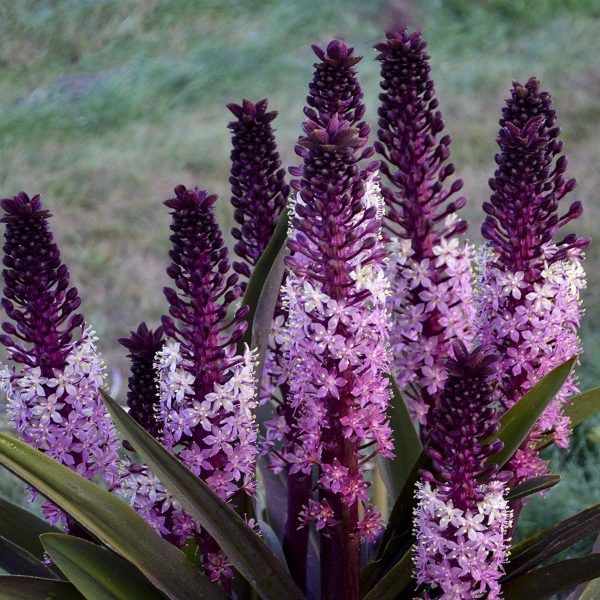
(337, 329)
(206, 391)
(53, 388)
(429, 266)
(334, 89)
(529, 301)
(461, 524)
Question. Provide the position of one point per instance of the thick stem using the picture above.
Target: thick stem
(295, 540)
(340, 544)
(340, 554)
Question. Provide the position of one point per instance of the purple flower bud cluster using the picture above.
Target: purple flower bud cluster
(429, 267)
(142, 395)
(337, 328)
(258, 187)
(462, 524)
(53, 392)
(530, 282)
(206, 392)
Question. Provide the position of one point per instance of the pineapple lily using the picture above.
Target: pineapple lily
(358, 335)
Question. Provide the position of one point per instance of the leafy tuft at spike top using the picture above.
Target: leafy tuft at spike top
(376, 288)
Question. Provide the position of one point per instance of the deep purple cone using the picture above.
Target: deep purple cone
(258, 187)
(142, 396)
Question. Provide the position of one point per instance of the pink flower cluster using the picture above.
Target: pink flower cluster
(461, 552)
(337, 352)
(420, 294)
(226, 454)
(64, 415)
(429, 266)
(535, 324)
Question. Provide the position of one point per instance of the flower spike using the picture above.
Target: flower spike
(529, 300)
(429, 266)
(142, 396)
(337, 327)
(206, 391)
(461, 524)
(53, 390)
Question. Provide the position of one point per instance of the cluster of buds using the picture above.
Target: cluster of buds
(429, 267)
(53, 387)
(461, 525)
(258, 187)
(529, 303)
(142, 395)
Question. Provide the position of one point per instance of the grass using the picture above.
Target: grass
(106, 105)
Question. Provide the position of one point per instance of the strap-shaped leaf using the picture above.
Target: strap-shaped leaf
(17, 561)
(393, 585)
(23, 528)
(407, 445)
(14, 587)
(533, 486)
(96, 572)
(111, 520)
(248, 553)
(263, 268)
(265, 308)
(544, 545)
(516, 423)
(579, 409)
(548, 581)
(583, 406)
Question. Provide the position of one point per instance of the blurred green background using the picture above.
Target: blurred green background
(106, 105)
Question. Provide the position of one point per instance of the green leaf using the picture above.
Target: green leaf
(99, 574)
(395, 581)
(272, 504)
(263, 317)
(111, 520)
(248, 553)
(544, 545)
(397, 538)
(516, 423)
(580, 408)
(548, 581)
(407, 445)
(17, 561)
(13, 587)
(23, 528)
(532, 486)
(583, 406)
(272, 541)
(262, 269)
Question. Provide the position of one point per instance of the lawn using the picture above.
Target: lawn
(106, 105)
